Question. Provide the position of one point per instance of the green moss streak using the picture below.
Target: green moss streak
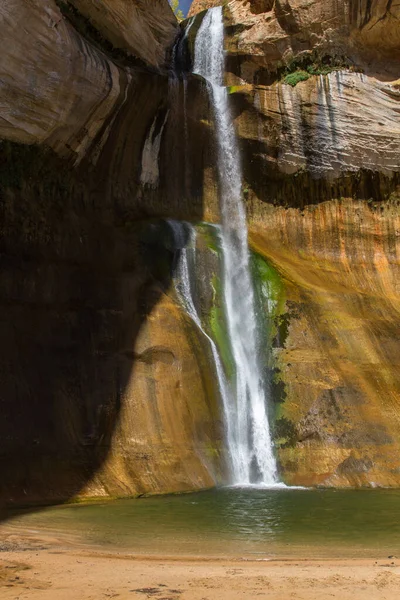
(272, 311)
(270, 295)
(219, 330)
(215, 322)
(209, 233)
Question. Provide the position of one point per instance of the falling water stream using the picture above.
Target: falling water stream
(185, 266)
(245, 404)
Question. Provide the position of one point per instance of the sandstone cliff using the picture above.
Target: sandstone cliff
(338, 412)
(200, 5)
(106, 384)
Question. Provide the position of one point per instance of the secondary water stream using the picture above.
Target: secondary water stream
(185, 265)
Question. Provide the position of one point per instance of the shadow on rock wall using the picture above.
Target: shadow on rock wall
(76, 283)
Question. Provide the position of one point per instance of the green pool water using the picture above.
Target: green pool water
(250, 523)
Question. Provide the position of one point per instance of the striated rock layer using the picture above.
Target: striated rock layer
(60, 89)
(144, 29)
(56, 88)
(327, 126)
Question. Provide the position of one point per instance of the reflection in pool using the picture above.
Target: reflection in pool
(235, 522)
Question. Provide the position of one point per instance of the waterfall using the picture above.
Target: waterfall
(247, 426)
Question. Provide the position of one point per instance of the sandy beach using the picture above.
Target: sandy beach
(46, 568)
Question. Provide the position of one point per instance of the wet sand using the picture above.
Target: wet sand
(48, 568)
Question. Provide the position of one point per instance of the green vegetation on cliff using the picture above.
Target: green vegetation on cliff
(270, 296)
(301, 69)
(219, 328)
(294, 78)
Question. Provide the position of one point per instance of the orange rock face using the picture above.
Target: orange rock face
(340, 417)
(169, 431)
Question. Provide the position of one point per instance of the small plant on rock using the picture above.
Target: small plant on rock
(294, 78)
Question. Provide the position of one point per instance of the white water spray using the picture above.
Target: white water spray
(247, 427)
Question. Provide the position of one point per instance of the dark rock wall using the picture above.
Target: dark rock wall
(78, 283)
